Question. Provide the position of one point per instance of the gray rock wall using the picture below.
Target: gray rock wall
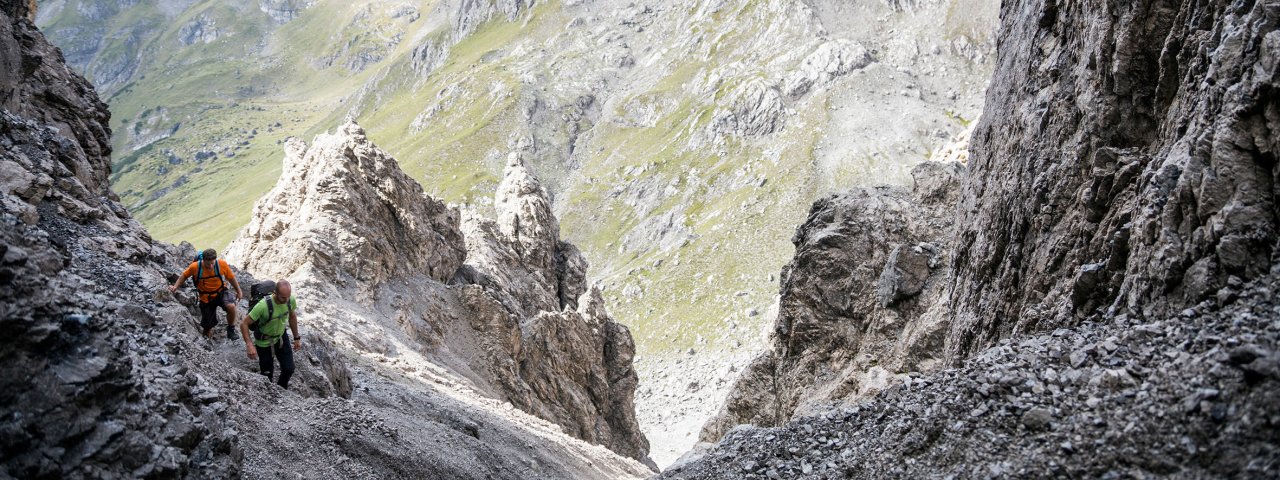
(103, 376)
(93, 381)
(1126, 163)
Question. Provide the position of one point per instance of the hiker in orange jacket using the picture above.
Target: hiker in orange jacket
(212, 275)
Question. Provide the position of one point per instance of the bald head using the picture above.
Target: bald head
(283, 289)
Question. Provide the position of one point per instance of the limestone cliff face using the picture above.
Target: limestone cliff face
(343, 208)
(1126, 165)
(517, 320)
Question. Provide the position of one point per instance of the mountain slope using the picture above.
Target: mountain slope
(106, 375)
(1109, 304)
(383, 263)
(676, 139)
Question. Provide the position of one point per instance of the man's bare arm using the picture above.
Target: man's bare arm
(177, 284)
(236, 283)
(293, 325)
(248, 340)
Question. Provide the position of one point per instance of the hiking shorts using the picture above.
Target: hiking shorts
(209, 311)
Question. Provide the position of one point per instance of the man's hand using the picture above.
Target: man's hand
(297, 344)
(252, 351)
(173, 289)
(239, 295)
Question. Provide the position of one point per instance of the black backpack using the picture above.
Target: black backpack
(258, 292)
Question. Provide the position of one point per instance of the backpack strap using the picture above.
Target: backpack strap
(271, 303)
(271, 313)
(217, 272)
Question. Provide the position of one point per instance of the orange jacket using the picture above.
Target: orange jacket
(209, 286)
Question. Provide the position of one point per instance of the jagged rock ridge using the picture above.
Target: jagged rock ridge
(517, 319)
(344, 208)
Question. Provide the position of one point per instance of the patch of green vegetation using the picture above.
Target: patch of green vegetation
(956, 117)
(679, 305)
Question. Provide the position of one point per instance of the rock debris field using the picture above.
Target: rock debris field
(1193, 395)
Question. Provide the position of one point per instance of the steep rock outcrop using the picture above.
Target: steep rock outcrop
(344, 209)
(517, 321)
(592, 400)
(857, 304)
(93, 383)
(524, 215)
(520, 256)
(1138, 175)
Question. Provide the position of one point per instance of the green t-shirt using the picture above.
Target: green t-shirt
(272, 328)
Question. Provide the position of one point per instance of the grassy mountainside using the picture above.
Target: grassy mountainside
(676, 141)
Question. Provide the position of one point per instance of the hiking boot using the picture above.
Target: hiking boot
(231, 333)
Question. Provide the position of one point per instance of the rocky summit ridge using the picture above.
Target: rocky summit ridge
(344, 210)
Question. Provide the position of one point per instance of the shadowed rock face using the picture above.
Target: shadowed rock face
(385, 260)
(857, 305)
(92, 384)
(103, 375)
(1125, 164)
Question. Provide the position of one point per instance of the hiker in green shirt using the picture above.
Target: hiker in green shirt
(267, 320)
